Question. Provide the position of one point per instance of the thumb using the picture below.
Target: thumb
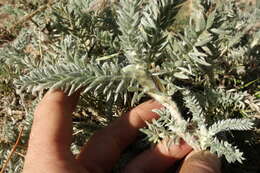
(201, 162)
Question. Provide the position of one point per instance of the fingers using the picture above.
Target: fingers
(103, 150)
(52, 126)
(158, 159)
(201, 162)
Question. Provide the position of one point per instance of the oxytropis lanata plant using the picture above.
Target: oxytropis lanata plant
(134, 49)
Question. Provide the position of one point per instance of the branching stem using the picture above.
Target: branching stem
(151, 89)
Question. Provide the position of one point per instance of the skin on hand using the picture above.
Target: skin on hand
(201, 162)
(51, 137)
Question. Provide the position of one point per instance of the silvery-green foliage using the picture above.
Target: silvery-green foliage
(230, 152)
(230, 124)
(198, 133)
(128, 22)
(126, 51)
(159, 129)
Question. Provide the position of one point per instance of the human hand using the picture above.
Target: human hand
(51, 137)
(201, 162)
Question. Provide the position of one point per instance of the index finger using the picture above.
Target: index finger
(103, 150)
(51, 133)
